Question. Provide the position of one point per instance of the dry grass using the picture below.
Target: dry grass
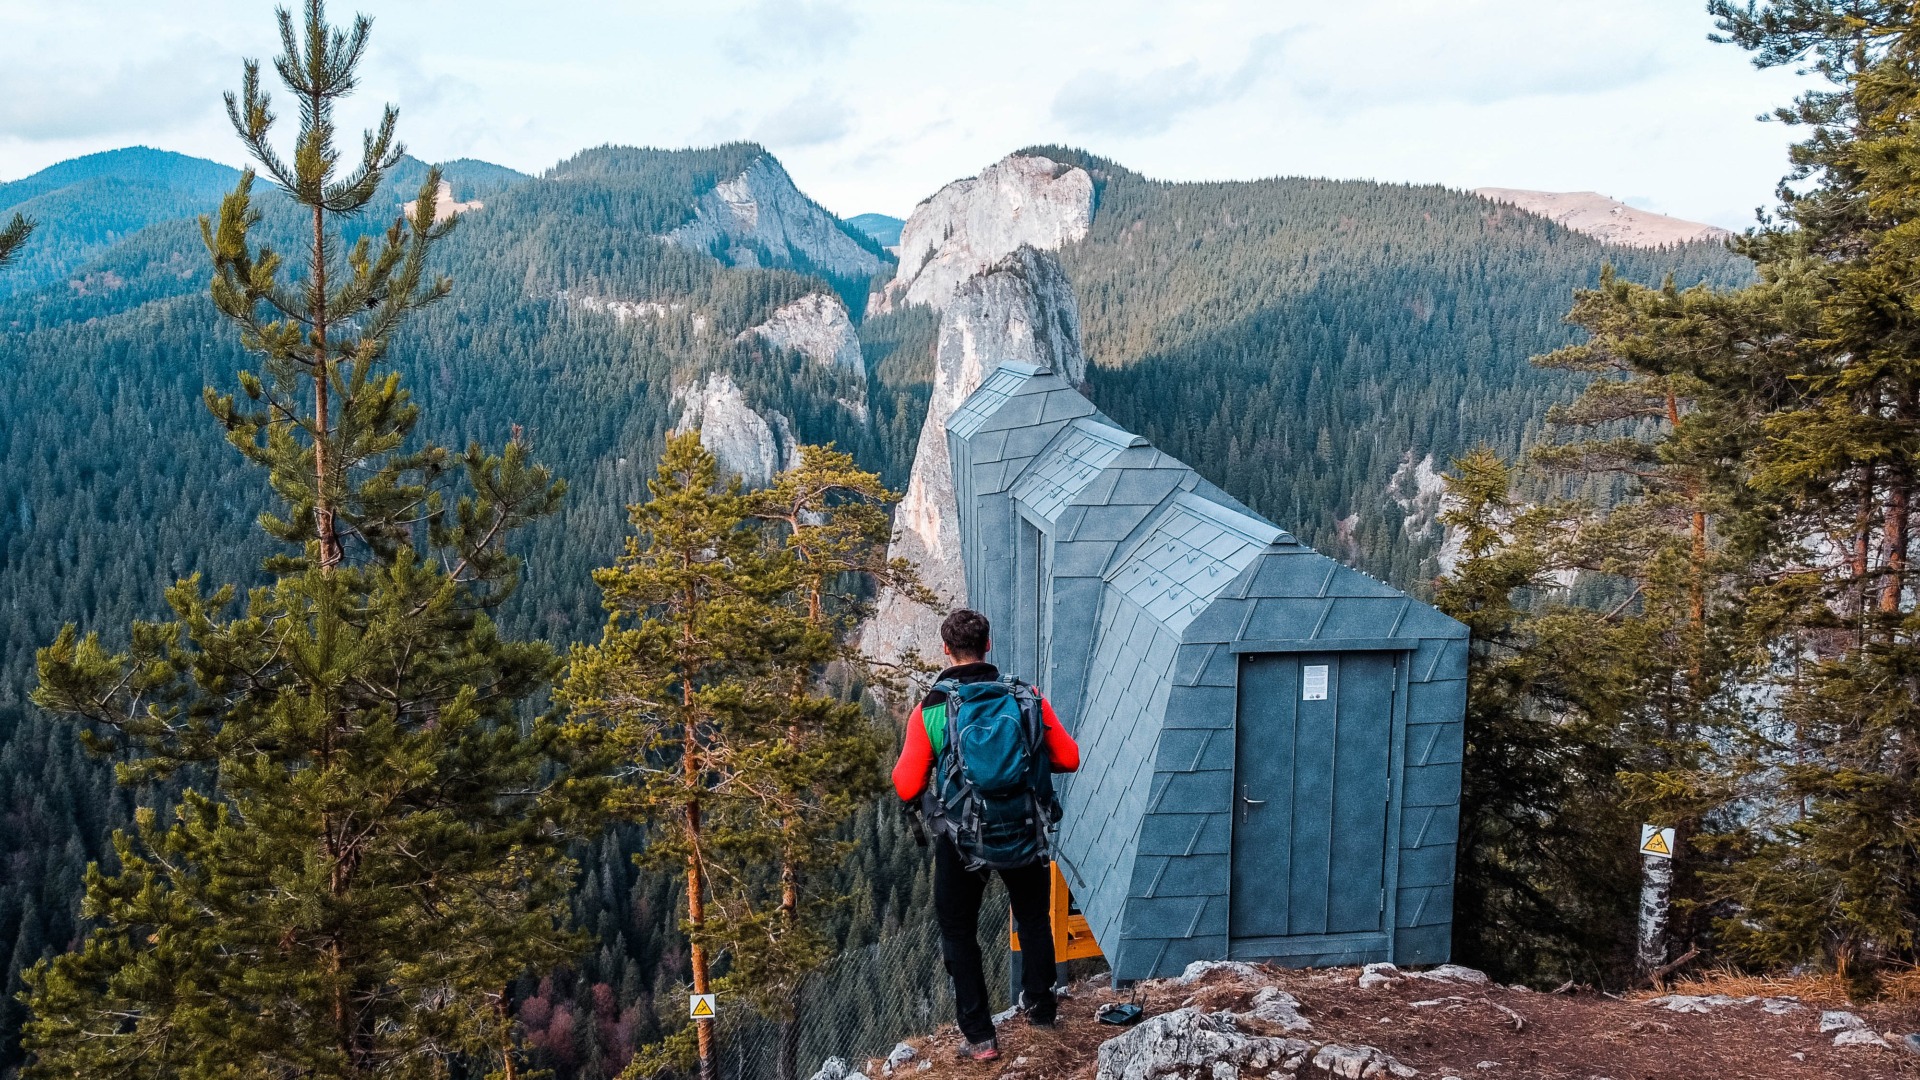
(1829, 990)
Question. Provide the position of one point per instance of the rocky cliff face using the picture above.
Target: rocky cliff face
(818, 327)
(746, 443)
(1022, 309)
(970, 225)
(1421, 493)
(624, 310)
(760, 218)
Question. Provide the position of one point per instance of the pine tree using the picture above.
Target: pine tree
(1832, 811)
(677, 680)
(1657, 469)
(372, 853)
(819, 760)
(1544, 881)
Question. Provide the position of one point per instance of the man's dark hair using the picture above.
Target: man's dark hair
(965, 633)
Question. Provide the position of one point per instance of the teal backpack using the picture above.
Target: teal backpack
(992, 786)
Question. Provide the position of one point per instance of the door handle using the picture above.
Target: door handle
(1247, 802)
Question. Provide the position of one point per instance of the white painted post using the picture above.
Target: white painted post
(1656, 895)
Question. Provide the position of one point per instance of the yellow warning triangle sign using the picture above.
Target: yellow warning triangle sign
(701, 1006)
(1656, 843)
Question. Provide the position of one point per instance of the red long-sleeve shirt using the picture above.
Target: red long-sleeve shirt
(916, 752)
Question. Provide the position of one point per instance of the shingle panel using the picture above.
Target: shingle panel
(1194, 792)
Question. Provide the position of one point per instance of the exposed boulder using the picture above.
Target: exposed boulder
(1022, 310)
(1374, 975)
(834, 1069)
(1192, 1043)
(760, 218)
(902, 1053)
(968, 226)
(745, 443)
(1275, 1006)
(1200, 969)
(1358, 1062)
(1833, 1020)
(1860, 1037)
(1691, 1003)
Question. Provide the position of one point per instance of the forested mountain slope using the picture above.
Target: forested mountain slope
(573, 318)
(1300, 340)
(87, 205)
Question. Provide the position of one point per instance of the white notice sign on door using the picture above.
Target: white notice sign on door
(1314, 686)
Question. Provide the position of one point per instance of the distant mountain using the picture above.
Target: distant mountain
(1605, 218)
(884, 230)
(1320, 348)
(86, 205)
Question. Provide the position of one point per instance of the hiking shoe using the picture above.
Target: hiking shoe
(1040, 1016)
(978, 1051)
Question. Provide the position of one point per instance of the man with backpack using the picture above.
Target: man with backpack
(977, 762)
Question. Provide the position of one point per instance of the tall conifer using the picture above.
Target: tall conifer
(819, 760)
(694, 628)
(371, 852)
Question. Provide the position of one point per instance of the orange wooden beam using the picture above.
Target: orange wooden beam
(1072, 937)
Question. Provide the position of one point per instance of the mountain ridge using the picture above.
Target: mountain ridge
(1605, 218)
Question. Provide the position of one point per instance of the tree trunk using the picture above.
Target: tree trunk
(786, 1056)
(322, 504)
(786, 1062)
(1899, 508)
(1862, 536)
(696, 887)
(1697, 584)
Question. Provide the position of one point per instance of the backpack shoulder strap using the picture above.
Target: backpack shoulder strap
(934, 718)
(1029, 700)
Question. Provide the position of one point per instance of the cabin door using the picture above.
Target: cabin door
(1311, 784)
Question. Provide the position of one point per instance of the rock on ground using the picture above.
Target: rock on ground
(1184, 1042)
(902, 1053)
(1200, 969)
(1275, 1006)
(1689, 1003)
(834, 1069)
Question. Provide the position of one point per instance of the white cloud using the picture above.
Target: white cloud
(1112, 103)
(785, 30)
(811, 119)
(44, 95)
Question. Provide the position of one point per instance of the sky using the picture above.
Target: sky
(873, 106)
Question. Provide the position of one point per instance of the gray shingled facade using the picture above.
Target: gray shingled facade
(1138, 595)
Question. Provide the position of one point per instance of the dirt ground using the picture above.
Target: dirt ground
(1460, 1030)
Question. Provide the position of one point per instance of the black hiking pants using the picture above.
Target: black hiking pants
(956, 901)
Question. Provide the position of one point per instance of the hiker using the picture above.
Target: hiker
(977, 766)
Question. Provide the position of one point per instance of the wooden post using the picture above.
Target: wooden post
(1072, 937)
